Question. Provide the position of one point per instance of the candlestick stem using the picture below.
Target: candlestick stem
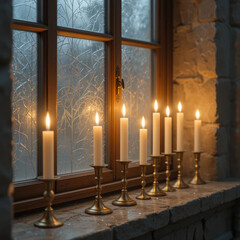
(143, 195)
(168, 187)
(156, 191)
(180, 184)
(197, 180)
(48, 220)
(124, 199)
(98, 207)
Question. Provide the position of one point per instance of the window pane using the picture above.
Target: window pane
(24, 105)
(25, 10)
(136, 19)
(81, 14)
(81, 93)
(136, 72)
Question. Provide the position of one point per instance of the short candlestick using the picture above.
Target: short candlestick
(180, 184)
(143, 195)
(168, 187)
(48, 220)
(197, 180)
(156, 191)
(124, 199)
(98, 208)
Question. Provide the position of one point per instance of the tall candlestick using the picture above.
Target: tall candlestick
(168, 132)
(180, 116)
(197, 133)
(143, 144)
(124, 136)
(156, 131)
(97, 143)
(48, 151)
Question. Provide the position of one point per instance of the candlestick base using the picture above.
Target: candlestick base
(156, 191)
(168, 187)
(48, 220)
(197, 180)
(98, 207)
(180, 184)
(124, 199)
(143, 195)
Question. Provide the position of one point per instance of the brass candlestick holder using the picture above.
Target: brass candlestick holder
(180, 184)
(48, 220)
(156, 191)
(98, 208)
(124, 199)
(197, 180)
(143, 195)
(168, 187)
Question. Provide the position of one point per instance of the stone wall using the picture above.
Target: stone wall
(5, 120)
(235, 127)
(203, 78)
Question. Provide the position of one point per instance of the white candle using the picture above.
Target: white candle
(48, 151)
(197, 133)
(180, 116)
(168, 133)
(97, 143)
(143, 144)
(124, 136)
(156, 131)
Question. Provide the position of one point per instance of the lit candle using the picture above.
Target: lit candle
(197, 133)
(180, 116)
(97, 143)
(168, 132)
(156, 131)
(143, 144)
(123, 136)
(48, 151)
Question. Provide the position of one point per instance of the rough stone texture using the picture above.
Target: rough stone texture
(5, 119)
(184, 214)
(203, 72)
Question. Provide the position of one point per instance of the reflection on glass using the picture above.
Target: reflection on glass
(81, 93)
(136, 19)
(81, 14)
(24, 105)
(136, 72)
(25, 10)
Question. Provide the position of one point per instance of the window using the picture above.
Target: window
(67, 55)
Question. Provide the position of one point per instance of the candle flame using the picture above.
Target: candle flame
(179, 107)
(156, 106)
(197, 114)
(143, 122)
(48, 121)
(168, 111)
(124, 110)
(97, 118)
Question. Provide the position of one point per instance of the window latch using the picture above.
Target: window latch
(119, 81)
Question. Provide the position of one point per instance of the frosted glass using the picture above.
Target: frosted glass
(81, 93)
(136, 19)
(81, 14)
(24, 105)
(136, 72)
(25, 10)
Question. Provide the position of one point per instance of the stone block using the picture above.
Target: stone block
(207, 10)
(235, 16)
(231, 194)
(195, 231)
(185, 210)
(212, 201)
(188, 12)
(218, 224)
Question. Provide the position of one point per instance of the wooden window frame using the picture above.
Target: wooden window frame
(28, 194)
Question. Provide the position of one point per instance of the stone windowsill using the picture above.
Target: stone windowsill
(130, 222)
